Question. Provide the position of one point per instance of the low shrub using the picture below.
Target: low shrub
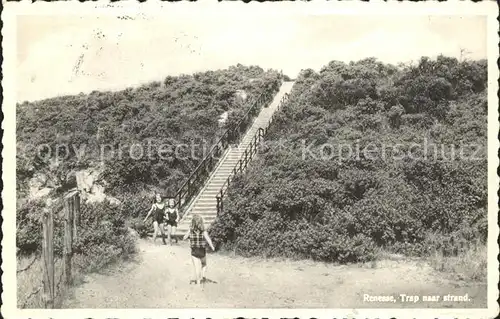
(470, 265)
(139, 226)
(104, 235)
(272, 234)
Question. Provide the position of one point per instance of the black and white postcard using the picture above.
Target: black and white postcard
(261, 160)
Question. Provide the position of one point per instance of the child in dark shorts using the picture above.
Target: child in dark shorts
(198, 237)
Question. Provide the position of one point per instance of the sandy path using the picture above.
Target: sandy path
(161, 275)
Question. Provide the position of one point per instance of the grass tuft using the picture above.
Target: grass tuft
(471, 265)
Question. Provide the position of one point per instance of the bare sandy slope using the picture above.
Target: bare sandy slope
(160, 278)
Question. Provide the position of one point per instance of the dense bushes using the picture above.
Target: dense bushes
(102, 224)
(321, 195)
(104, 234)
(102, 237)
(142, 136)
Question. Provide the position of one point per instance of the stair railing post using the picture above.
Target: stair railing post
(221, 201)
(211, 166)
(218, 203)
(240, 129)
(246, 158)
(255, 146)
(230, 136)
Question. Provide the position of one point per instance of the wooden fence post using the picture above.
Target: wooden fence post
(76, 217)
(48, 258)
(68, 238)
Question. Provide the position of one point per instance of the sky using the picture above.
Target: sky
(58, 55)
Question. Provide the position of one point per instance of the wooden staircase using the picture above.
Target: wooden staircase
(205, 204)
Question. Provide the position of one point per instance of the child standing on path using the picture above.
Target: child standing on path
(198, 237)
(158, 210)
(172, 220)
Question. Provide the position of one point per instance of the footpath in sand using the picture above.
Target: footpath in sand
(160, 278)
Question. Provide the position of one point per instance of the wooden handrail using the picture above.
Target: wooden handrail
(250, 151)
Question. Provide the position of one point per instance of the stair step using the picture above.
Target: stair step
(218, 183)
(221, 180)
(202, 208)
(228, 164)
(226, 167)
(212, 205)
(224, 172)
(210, 191)
(209, 195)
(218, 177)
(206, 202)
(232, 163)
